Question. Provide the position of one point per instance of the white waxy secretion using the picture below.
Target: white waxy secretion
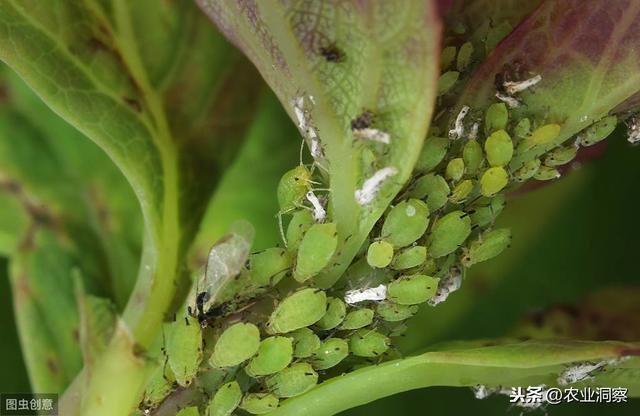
(377, 293)
(512, 102)
(319, 213)
(371, 186)
(633, 133)
(446, 286)
(473, 134)
(513, 87)
(458, 129)
(584, 371)
(374, 135)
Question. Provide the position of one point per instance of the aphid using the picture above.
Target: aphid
(300, 223)
(354, 296)
(447, 81)
(301, 309)
(362, 121)
(528, 169)
(373, 135)
(464, 56)
(541, 136)
(598, 131)
(433, 188)
(581, 372)
(514, 87)
(305, 342)
(495, 34)
(447, 285)
(448, 233)
(392, 312)
(368, 343)
(561, 155)
(493, 180)
(455, 169)
(499, 148)
(485, 215)
(293, 381)
(269, 266)
(406, 222)
(274, 354)
(226, 400)
(379, 254)
(357, 319)
(447, 57)
(372, 185)
(236, 344)
(473, 156)
(522, 129)
(330, 353)
(458, 127)
(161, 383)
(547, 173)
(316, 250)
(184, 349)
(226, 259)
(412, 290)
(512, 102)
(461, 191)
(633, 131)
(486, 247)
(336, 311)
(259, 403)
(319, 213)
(496, 118)
(332, 53)
(188, 411)
(293, 187)
(410, 257)
(433, 151)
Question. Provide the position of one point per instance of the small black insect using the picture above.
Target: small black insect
(363, 121)
(332, 53)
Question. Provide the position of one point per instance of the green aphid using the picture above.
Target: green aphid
(293, 187)
(447, 57)
(406, 222)
(274, 354)
(269, 266)
(330, 353)
(184, 349)
(305, 342)
(336, 311)
(522, 129)
(368, 343)
(412, 290)
(493, 180)
(226, 399)
(188, 411)
(392, 312)
(236, 344)
(461, 191)
(496, 34)
(499, 148)
(259, 403)
(464, 56)
(448, 233)
(486, 246)
(546, 173)
(486, 214)
(433, 151)
(447, 81)
(357, 319)
(429, 266)
(496, 118)
(160, 385)
(300, 223)
(598, 131)
(434, 188)
(455, 169)
(293, 381)
(316, 250)
(301, 309)
(541, 136)
(561, 156)
(409, 257)
(379, 254)
(528, 169)
(473, 156)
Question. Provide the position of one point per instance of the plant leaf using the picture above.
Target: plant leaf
(468, 364)
(342, 59)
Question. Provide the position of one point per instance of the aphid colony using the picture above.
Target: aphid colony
(259, 323)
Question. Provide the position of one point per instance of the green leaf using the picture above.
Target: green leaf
(469, 364)
(343, 59)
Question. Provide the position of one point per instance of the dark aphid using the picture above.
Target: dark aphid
(332, 53)
(363, 121)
